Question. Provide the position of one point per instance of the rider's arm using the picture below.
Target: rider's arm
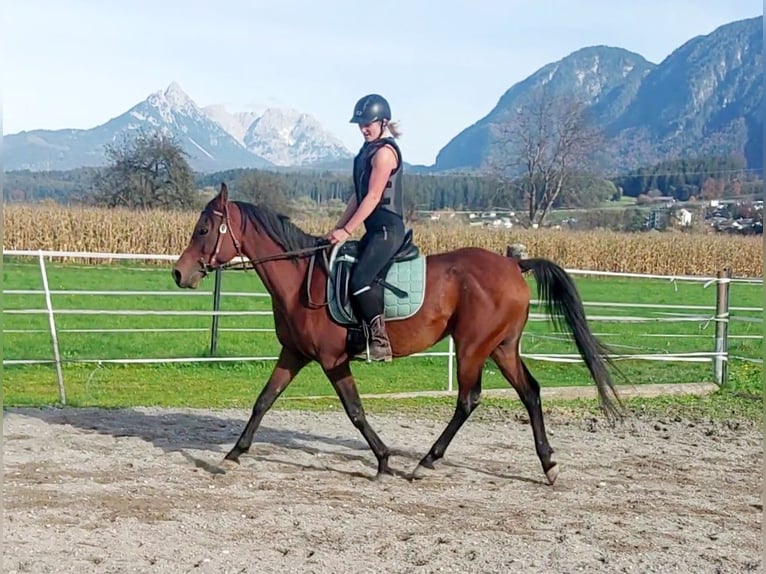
(383, 164)
(350, 209)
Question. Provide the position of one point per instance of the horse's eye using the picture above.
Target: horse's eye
(203, 230)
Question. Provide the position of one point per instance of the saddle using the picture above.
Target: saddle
(403, 280)
(406, 252)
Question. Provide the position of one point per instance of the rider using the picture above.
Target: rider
(376, 203)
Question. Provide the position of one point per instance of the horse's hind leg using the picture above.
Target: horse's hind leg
(507, 358)
(469, 393)
(343, 382)
(288, 365)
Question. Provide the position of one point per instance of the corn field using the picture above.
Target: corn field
(53, 227)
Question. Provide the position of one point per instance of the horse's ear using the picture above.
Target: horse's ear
(222, 197)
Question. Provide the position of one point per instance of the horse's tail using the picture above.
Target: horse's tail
(557, 291)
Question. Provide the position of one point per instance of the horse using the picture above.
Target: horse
(478, 297)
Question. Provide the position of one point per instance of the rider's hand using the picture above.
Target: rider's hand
(338, 235)
(328, 235)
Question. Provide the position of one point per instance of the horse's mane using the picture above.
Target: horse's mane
(278, 226)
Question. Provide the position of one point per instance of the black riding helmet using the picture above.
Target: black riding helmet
(371, 108)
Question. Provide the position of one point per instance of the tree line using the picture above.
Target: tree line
(149, 187)
(704, 178)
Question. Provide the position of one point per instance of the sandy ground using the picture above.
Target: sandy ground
(139, 490)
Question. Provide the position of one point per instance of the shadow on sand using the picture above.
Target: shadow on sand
(184, 430)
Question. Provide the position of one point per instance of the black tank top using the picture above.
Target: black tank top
(391, 206)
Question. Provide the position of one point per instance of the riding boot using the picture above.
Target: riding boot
(379, 344)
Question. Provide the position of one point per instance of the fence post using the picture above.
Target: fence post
(52, 324)
(722, 325)
(216, 308)
(450, 367)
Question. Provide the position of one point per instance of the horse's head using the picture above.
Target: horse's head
(213, 241)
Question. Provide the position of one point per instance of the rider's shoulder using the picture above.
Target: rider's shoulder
(387, 151)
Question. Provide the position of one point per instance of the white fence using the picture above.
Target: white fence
(673, 313)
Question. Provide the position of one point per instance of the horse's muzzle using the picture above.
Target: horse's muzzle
(188, 280)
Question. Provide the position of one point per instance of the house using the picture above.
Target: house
(684, 217)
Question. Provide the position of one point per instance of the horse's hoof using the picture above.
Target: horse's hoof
(384, 476)
(421, 471)
(228, 464)
(552, 474)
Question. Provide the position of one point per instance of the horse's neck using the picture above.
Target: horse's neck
(281, 277)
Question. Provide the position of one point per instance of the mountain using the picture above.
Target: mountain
(213, 138)
(704, 98)
(235, 123)
(598, 75)
(284, 136)
(171, 111)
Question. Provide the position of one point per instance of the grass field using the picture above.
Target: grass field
(235, 384)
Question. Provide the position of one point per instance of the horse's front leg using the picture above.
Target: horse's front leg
(287, 367)
(343, 382)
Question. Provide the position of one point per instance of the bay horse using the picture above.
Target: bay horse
(478, 297)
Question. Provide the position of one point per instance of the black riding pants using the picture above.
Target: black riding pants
(379, 244)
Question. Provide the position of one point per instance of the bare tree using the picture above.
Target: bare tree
(543, 150)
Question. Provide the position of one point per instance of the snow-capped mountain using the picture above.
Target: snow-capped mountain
(284, 136)
(236, 123)
(207, 143)
(213, 138)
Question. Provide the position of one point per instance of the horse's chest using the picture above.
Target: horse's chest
(293, 330)
(283, 327)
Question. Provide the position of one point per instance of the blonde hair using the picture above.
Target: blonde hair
(393, 127)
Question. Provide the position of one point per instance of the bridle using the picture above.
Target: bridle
(245, 263)
(223, 229)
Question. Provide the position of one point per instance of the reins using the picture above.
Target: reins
(294, 254)
(245, 263)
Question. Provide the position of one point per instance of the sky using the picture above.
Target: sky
(442, 65)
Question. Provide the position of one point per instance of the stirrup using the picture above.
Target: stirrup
(365, 354)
